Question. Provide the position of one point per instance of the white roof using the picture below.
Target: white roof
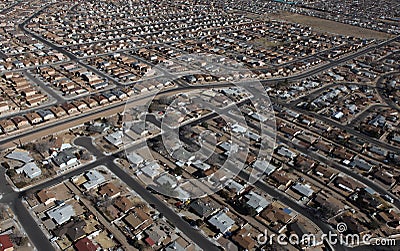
(259, 117)
(225, 145)
(303, 189)
(166, 179)
(65, 146)
(222, 222)
(182, 194)
(45, 113)
(286, 152)
(264, 166)
(201, 165)
(20, 155)
(338, 115)
(61, 214)
(256, 201)
(151, 170)
(238, 128)
(229, 148)
(31, 170)
(233, 185)
(115, 138)
(94, 179)
(134, 158)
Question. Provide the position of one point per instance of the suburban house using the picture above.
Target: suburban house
(303, 189)
(5, 243)
(74, 230)
(20, 122)
(124, 204)
(46, 196)
(110, 191)
(235, 187)
(221, 222)
(94, 179)
(264, 166)
(138, 220)
(345, 184)
(58, 111)
(256, 201)
(65, 158)
(46, 114)
(31, 170)
(115, 138)
(86, 244)
(91, 102)
(69, 108)
(80, 105)
(204, 208)
(7, 125)
(61, 214)
(34, 118)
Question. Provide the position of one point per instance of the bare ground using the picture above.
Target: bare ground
(327, 26)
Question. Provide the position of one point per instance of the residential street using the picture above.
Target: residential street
(330, 71)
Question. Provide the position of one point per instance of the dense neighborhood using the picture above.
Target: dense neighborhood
(199, 125)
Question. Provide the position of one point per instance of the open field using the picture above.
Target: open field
(265, 42)
(327, 26)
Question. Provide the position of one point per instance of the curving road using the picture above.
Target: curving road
(41, 241)
(380, 87)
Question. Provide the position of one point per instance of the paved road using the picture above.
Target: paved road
(38, 237)
(63, 124)
(365, 113)
(132, 182)
(306, 212)
(116, 232)
(3, 11)
(348, 129)
(318, 92)
(162, 207)
(122, 104)
(341, 168)
(46, 88)
(61, 49)
(272, 191)
(40, 240)
(87, 143)
(380, 86)
(5, 188)
(34, 232)
(13, 199)
(339, 61)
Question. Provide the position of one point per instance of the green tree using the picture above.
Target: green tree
(178, 170)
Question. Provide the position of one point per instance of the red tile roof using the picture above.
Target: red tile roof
(150, 241)
(85, 245)
(5, 242)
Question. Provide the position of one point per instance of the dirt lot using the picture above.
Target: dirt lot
(328, 26)
(105, 241)
(266, 42)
